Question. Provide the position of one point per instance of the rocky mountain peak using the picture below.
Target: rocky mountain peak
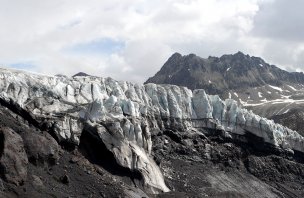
(217, 75)
(240, 58)
(240, 54)
(176, 55)
(80, 74)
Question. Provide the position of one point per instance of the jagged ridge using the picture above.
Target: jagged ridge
(219, 74)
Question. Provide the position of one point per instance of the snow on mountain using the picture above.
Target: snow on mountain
(125, 115)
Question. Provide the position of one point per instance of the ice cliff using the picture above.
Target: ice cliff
(124, 115)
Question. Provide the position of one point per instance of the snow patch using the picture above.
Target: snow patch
(276, 88)
(286, 97)
(291, 87)
(286, 111)
(264, 100)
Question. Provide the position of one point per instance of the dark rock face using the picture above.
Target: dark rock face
(217, 75)
(14, 161)
(41, 149)
(201, 166)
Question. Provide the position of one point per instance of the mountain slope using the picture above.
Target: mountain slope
(149, 139)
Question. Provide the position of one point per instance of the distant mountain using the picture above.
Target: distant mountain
(219, 75)
(266, 89)
(80, 74)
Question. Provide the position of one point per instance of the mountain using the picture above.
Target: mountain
(219, 75)
(104, 138)
(80, 74)
(263, 88)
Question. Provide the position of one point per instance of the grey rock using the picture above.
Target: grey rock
(41, 148)
(37, 181)
(2, 188)
(13, 161)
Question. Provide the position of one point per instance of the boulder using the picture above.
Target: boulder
(13, 160)
(41, 148)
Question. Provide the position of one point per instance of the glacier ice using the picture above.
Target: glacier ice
(126, 114)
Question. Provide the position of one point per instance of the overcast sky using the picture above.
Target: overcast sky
(131, 39)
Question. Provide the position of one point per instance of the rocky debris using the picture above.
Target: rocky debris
(41, 149)
(13, 161)
(68, 180)
(275, 168)
(231, 169)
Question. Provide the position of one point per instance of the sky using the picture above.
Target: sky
(131, 39)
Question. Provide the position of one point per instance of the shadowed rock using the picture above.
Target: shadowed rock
(41, 149)
(13, 162)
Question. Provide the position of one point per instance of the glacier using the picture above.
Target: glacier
(124, 115)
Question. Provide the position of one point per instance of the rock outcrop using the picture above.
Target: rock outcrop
(41, 149)
(124, 116)
(13, 161)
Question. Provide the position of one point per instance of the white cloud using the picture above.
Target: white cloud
(40, 32)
